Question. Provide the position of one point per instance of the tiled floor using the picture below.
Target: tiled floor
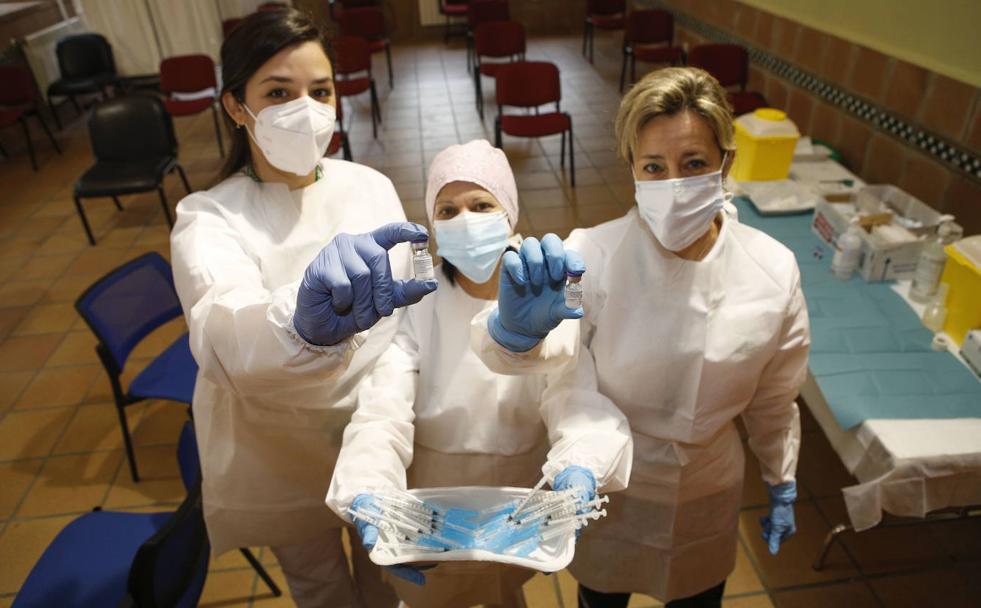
(60, 448)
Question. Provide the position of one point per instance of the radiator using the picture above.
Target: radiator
(39, 49)
(429, 13)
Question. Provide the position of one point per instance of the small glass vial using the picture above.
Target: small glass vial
(573, 290)
(422, 262)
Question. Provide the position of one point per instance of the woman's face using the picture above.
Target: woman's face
(460, 197)
(674, 146)
(289, 74)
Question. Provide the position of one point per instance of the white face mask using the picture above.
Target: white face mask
(678, 211)
(293, 136)
(473, 242)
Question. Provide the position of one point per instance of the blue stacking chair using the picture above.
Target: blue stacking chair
(112, 558)
(121, 309)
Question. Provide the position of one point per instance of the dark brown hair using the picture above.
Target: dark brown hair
(250, 45)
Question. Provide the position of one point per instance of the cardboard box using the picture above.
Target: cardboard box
(880, 262)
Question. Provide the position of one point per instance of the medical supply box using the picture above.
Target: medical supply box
(963, 274)
(882, 259)
(765, 142)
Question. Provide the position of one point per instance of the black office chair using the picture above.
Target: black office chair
(87, 67)
(135, 147)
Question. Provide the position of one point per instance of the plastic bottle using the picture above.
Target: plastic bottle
(935, 313)
(848, 253)
(932, 259)
(422, 262)
(573, 290)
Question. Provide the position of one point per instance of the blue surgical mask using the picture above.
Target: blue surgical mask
(473, 242)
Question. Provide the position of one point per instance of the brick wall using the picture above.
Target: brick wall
(940, 106)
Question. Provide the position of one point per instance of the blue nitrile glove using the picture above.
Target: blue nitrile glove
(580, 479)
(779, 525)
(348, 287)
(531, 298)
(369, 536)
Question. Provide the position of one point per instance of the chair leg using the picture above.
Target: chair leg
(128, 442)
(497, 132)
(3, 150)
(623, 68)
(346, 147)
(592, 42)
(30, 144)
(54, 113)
(261, 571)
(446, 32)
(562, 151)
(115, 199)
(180, 171)
(633, 69)
(166, 206)
(572, 155)
(374, 111)
(78, 108)
(85, 221)
(47, 131)
(585, 36)
(478, 92)
(469, 53)
(388, 57)
(214, 116)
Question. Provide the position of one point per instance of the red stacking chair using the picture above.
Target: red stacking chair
(483, 11)
(352, 74)
(368, 23)
(452, 9)
(644, 30)
(272, 6)
(191, 74)
(18, 102)
(603, 14)
(228, 25)
(498, 39)
(532, 84)
(339, 139)
(729, 64)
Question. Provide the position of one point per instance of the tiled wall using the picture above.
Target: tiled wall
(887, 92)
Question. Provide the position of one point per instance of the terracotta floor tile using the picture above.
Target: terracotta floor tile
(852, 595)
(48, 318)
(10, 318)
(46, 266)
(77, 348)
(792, 565)
(760, 600)
(12, 384)
(160, 339)
(31, 434)
(15, 479)
(159, 483)
(69, 287)
(160, 424)
(744, 578)
(21, 544)
(947, 588)
(71, 484)
(961, 539)
(227, 589)
(59, 386)
(19, 353)
(264, 598)
(540, 591)
(94, 428)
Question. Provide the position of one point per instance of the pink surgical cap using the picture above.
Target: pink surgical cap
(477, 162)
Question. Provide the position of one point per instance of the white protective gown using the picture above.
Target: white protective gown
(431, 403)
(682, 348)
(269, 408)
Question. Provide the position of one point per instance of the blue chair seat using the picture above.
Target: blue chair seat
(88, 563)
(170, 376)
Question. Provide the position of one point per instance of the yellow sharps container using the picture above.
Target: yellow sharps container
(962, 273)
(765, 142)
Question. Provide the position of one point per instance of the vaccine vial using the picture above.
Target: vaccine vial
(573, 290)
(422, 262)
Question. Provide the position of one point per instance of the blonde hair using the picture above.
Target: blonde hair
(670, 91)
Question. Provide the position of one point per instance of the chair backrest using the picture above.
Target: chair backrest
(170, 568)
(272, 6)
(349, 4)
(528, 84)
(605, 7)
(367, 22)
(728, 63)
(499, 39)
(187, 74)
(485, 11)
(351, 54)
(84, 55)
(188, 458)
(133, 127)
(18, 86)
(228, 25)
(127, 304)
(646, 27)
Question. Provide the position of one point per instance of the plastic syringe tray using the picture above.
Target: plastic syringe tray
(550, 555)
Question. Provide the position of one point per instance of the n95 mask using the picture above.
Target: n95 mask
(473, 242)
(293, 136)
(678, 211)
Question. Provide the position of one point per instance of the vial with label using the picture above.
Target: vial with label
(422, 262)
(573, 290)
